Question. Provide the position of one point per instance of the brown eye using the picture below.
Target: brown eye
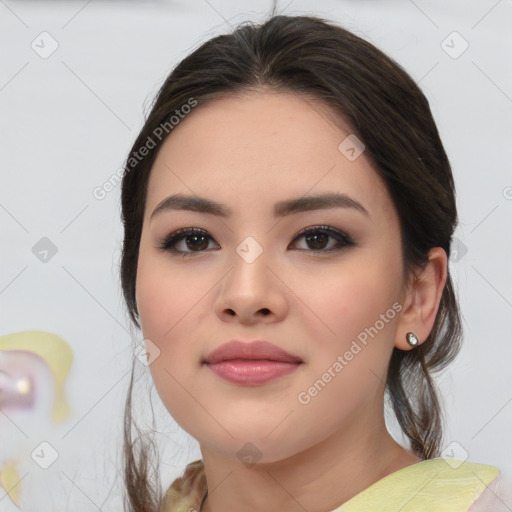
(317, 239)
(196, 240)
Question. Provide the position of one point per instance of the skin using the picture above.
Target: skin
(249, 152)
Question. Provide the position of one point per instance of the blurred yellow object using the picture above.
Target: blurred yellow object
(55, 352)
(10, 478)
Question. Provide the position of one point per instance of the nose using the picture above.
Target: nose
(252, 292)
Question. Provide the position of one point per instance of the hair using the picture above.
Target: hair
(387, 111)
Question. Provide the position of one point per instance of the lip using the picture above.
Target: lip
(251, 363)
(256, 350)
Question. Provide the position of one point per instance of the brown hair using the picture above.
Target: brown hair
(388, 112)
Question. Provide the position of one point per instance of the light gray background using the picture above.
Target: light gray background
(67, 123)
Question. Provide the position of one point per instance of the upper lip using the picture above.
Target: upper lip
(250, 350)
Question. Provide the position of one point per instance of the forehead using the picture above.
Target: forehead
(261, 148)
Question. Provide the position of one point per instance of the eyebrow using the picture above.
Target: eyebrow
(281, 209)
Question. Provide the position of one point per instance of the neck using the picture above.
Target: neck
(319, 479)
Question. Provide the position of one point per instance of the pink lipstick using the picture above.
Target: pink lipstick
(252, 363)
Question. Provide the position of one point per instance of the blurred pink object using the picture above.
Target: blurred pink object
(19, 372)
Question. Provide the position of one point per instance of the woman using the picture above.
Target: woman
(288, 209)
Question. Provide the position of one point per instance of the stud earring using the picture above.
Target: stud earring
(411, 339)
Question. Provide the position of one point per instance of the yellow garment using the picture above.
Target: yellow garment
(434, 485)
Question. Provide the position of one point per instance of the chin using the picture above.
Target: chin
(251, 450)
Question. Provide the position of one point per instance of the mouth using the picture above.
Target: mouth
(251, 363)
(252, 371)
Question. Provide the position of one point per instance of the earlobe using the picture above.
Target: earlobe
(422, 301)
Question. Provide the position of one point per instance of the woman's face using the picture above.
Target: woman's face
(251, 275)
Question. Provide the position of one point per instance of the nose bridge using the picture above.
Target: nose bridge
(250, 261)
(250, 286)
(252, 232)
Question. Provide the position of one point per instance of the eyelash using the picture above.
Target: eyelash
(169, 243)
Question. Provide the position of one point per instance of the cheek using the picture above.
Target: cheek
(344, 300)
(165, 294)
(349, 343)
(166, 308)
(350, 314)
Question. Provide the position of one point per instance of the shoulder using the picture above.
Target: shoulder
(440, 485)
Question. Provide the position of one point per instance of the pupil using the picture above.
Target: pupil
(315, 240)
(195, 237)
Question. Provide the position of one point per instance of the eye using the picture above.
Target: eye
(318, 235)
(194, 237)
(197, 240)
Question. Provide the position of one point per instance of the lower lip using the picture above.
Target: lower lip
(252, 371)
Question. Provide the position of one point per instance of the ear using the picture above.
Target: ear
(421, 299)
